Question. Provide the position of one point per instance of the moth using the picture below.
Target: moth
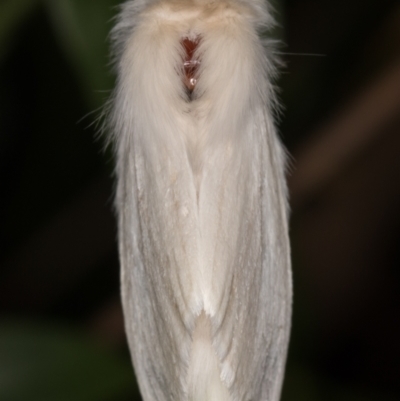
(201, 200)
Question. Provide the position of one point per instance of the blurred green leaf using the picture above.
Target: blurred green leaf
(83, 30)
(12, 14)
(300, 384)
(44, 363)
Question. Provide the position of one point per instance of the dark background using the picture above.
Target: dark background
(61, 328)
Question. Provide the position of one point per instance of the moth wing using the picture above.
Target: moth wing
(246, 280)
(157, 204)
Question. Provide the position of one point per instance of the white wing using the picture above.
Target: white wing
(201, 196)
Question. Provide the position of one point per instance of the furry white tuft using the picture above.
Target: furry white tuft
(201, 199)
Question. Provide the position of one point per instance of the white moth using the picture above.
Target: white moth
(201, 199)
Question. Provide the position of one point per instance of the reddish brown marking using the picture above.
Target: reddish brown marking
(190, 63)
